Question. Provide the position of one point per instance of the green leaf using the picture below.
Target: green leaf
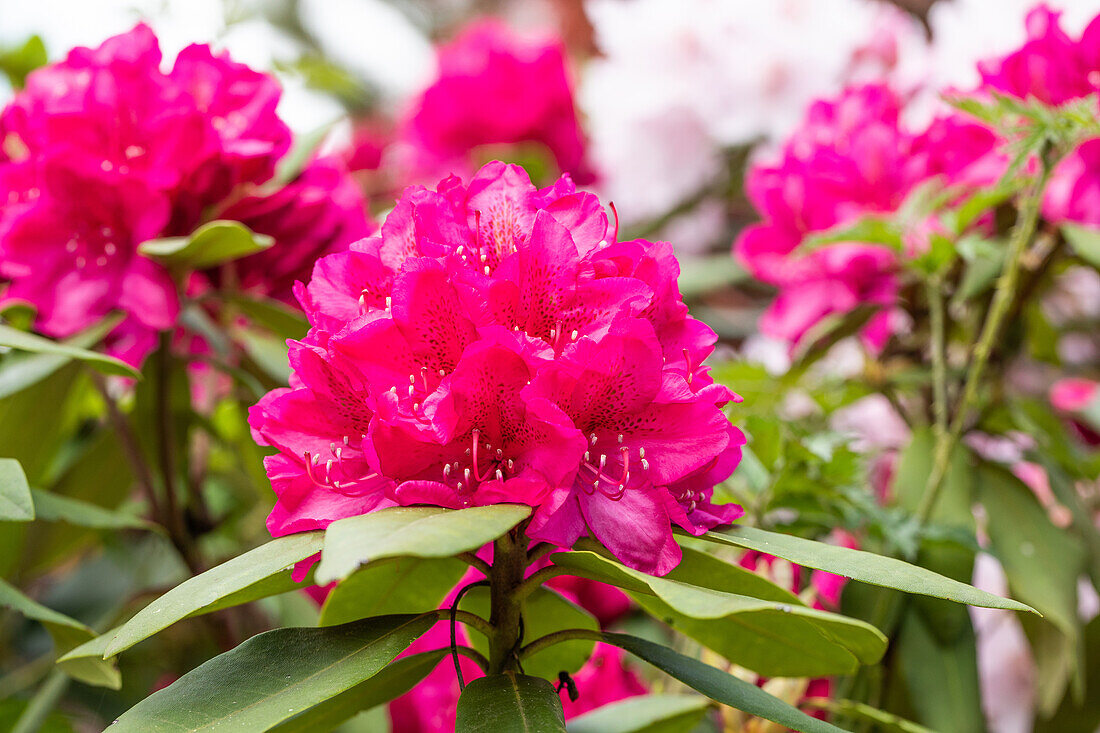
(868, 230)
(984, 261)
(700, 275)
(867, 567)
(1084, 240)
(395, 680)
(236, 577)
(718, 685)
(396, 585)
(412, 532)
(942, 678)
(67, 633)
(211, 244)
(23, 341)
(643, 714)
(884, 722)
(22, 371)
(544, 612)
(774, 639)
(16, 63)
(509, 703)
(56, 508)
(274, 676)
(1083, 714)
(707, 571)
(16, 504)
(268, 352)
(280, 319)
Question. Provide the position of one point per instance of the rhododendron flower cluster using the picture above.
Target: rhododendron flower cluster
(1055, 68)
(495, 343)
(103, 151)
(852, 156)
(494, 86)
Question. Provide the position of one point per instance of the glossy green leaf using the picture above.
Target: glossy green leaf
(509, 703)
(719, 685)
(268, 352)
(16, 504)
(643, 714)
(23, 341)
(773, 638)
(412, 532)
(274, 676)
(236, 576)
(211, 244)
(395, 585)
(1084, 240)
(544, 612)
(67, 633)
(395, 680)
(707, 571)
(52, 507)
(867, 567)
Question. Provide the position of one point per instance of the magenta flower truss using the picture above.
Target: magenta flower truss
(495, 87)
(851, 157)
(1055, 68)
(104, 150)
(494, 343)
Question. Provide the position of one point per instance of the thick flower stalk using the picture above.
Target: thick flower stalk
(494, 343)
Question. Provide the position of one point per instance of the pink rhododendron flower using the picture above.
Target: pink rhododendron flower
(320, 212)
(104, 151)
(495, 344)
(494, 87)
(1055, 68)
(852, 156)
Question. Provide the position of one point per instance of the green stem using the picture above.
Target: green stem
(544, 642)
(539, 577)
(506, 607)
(476, 562)
(44, 700)
(995, 319)
(934, 289)
(469, 619)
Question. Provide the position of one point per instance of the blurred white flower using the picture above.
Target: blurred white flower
(680, 82)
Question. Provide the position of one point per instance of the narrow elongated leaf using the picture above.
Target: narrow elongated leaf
(868, 567)
(774, 639)
(67, 633)
(274, 676)
(395, 680)
(643, 714)
(509, 703)
(15, 339)
(395, 585)
(1084, 240)
(942, 678)
(52, 507)
(235, 576)
(884, 721)
(271, 314)
(718, 685)
(412, 532)
(16, 504)
(209, 245)
(19, 372)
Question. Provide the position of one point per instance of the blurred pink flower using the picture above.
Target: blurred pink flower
(103, 151)
(494, 86)
(851, 157)
(320, 212)
(494, 344)
(603, 679)
(1073, 394)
